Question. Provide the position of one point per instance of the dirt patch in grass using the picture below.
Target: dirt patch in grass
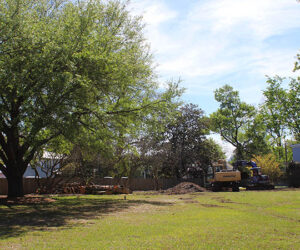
(188, 200)
(191, 201)
(224, 200)
(142, 208)
(210, 205)
(26, 200)
(184, 188)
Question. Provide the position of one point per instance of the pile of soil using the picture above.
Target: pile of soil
(185, 188)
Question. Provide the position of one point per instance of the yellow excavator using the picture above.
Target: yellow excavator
(222, 175)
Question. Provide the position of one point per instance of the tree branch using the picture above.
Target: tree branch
(3, 169)
(3, 157)
(3, 144)
(37, 145)
(133, 110)
(227, 139)
(4, 126)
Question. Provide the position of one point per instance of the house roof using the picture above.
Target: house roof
(51, 155)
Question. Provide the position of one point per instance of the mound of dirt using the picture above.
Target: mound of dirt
(185, 188)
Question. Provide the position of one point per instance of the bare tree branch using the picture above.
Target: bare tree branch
(37, 146)
(3, 157)
(3, 169)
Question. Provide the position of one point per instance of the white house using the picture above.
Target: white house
(296, 152)
(49, 159)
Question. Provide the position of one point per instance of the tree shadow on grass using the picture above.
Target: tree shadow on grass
(16, 220)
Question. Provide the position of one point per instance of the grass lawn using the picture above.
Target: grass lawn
(225, 220)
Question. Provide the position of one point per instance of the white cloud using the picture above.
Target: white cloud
(242, 27)
(275, 63)
(215, 42)
(226, 41)
(155, 14)
(189, 66)
(228, 149)
(263, 17)
(217, 36)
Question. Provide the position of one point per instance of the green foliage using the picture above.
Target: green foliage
(253, 132)
(274, 112)
(186, 135)
(293, 108)
(297, 63)
(212, 151)
(81, 70)
(257, 138)
(269, 166)
(280, 113)
(184, 144)
(237, 123)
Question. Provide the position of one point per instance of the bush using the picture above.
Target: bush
(269, 166)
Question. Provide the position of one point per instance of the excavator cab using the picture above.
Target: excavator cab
(223, 175)
(260, 179)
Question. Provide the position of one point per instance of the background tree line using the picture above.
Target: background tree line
(264, 132)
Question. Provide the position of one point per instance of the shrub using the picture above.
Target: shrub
(269, 166)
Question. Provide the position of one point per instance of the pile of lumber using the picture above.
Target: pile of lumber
(77, 188)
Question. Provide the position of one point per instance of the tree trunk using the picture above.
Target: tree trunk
(15, 186)
(239, 153)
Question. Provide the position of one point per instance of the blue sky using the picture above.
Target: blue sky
(209, 43)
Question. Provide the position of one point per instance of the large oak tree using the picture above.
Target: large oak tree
(66, 66)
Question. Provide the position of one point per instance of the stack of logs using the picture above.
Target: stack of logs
(77, 188)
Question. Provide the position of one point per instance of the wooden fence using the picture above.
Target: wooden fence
(29, 186)
(135, 184)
